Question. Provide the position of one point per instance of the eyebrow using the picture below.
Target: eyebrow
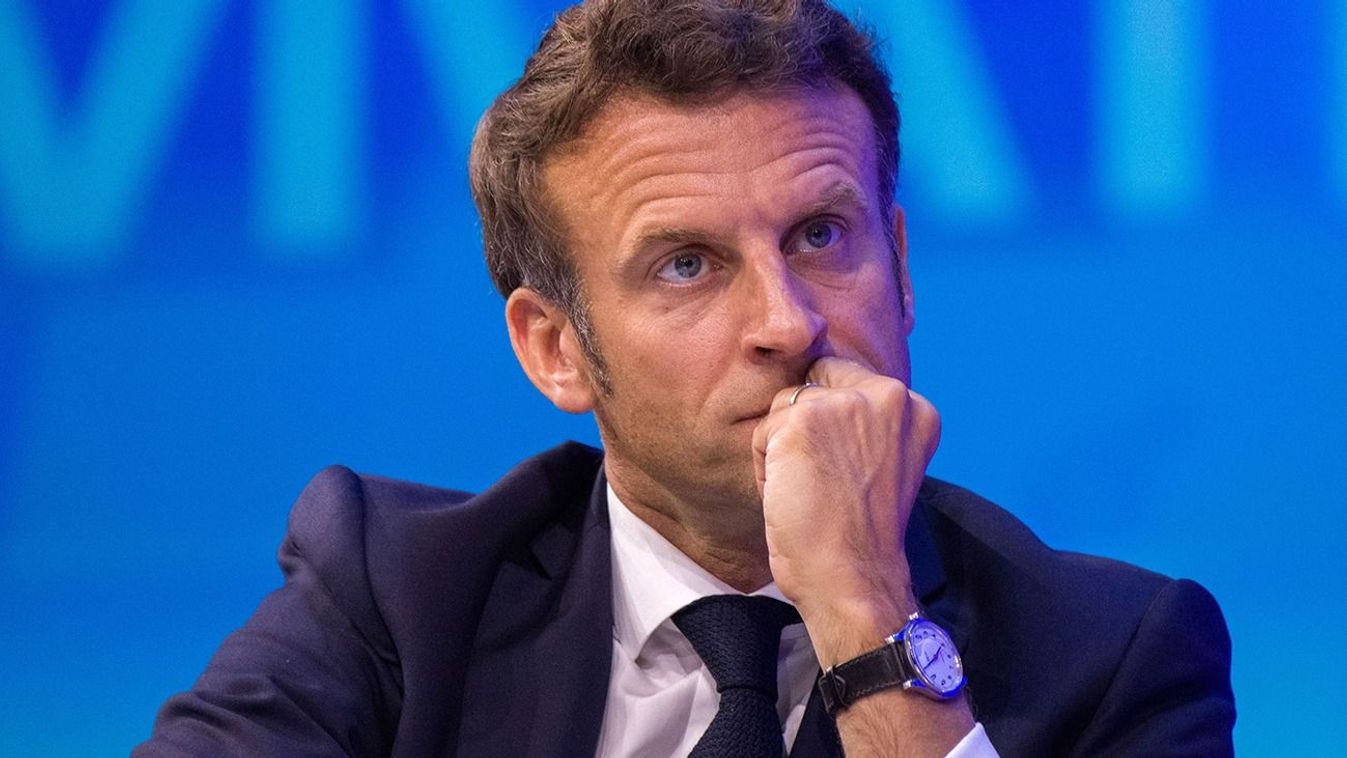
(842, 194)
(669, 234)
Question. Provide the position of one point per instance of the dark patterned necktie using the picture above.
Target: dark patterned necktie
(738, 638)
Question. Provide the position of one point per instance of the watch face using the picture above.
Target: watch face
(935, 656)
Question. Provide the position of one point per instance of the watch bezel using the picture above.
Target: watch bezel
(901, 644)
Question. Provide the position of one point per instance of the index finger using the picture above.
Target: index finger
(833, 371)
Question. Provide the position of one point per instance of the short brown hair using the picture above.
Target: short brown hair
(680, 51)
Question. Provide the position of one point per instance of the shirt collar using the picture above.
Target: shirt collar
(652, 579)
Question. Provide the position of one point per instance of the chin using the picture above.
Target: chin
(742, 493)
(731, 483)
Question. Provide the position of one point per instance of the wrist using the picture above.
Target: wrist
(920, 657)
(843, 628)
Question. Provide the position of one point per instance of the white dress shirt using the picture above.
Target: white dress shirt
(661, 698)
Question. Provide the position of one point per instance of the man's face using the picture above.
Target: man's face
(722, 250)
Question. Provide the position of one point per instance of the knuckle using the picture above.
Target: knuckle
(808, 413)
(894, 393)
(854, 403)
(928, 421)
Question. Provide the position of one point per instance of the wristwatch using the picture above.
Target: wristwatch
(920, 657)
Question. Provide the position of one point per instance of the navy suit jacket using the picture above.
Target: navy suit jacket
(416, 621)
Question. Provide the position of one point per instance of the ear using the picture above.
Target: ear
(904, 280)
(544, 341)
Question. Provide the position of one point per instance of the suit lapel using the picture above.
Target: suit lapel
(539, 674)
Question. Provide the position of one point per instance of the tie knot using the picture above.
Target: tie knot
(738, 638)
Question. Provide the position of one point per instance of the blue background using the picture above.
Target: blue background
(236, 245)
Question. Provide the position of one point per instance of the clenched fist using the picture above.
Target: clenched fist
(838, 471)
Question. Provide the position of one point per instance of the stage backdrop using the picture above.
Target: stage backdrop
(236, 245)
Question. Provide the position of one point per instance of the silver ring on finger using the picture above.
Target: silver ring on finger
(796, 394)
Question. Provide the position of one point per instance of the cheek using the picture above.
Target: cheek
(668, 351)
(675, 366)
(695, 331)
(867, 325)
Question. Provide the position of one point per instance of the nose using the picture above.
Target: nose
(780, 319)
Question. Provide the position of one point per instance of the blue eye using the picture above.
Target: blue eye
(817, 235)
(683, 267)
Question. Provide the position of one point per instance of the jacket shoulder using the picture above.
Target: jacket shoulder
(384, 584)
(337, 504)
(365, 534)
(978, 530)
(346, 510)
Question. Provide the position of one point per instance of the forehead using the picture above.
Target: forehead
(734, 160)
(637, 125)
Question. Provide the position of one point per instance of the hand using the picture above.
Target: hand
(838, 473)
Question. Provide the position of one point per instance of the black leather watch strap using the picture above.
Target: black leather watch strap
(879, 669)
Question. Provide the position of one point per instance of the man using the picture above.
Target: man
(688, 205)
